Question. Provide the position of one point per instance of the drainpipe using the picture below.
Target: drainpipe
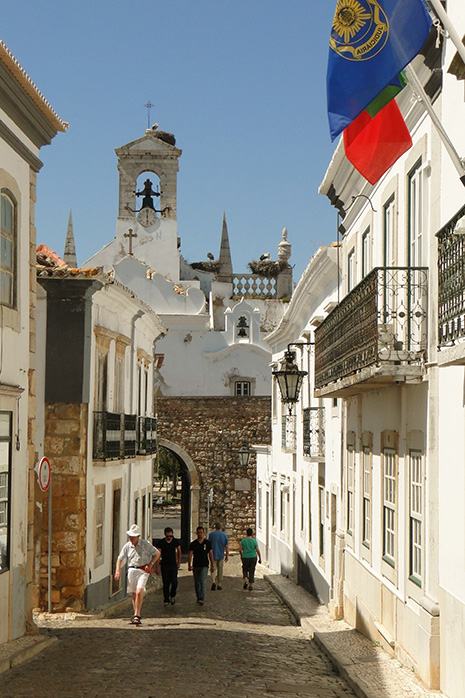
(136, 317)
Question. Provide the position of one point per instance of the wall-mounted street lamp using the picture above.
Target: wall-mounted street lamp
(289, 376)
(244, 454)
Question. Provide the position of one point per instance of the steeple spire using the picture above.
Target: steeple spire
(226, 270)
(69, 255)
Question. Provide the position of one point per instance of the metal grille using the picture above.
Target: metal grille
(383, 319)
(451, 279)
(147, 435)
(288, 432)
(314, 432)
(121, 435)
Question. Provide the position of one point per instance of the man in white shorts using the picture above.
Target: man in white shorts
(141, 556)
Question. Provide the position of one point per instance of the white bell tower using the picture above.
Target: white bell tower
(146, 227)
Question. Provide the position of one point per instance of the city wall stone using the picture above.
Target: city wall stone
(65, 434)
(212, 430)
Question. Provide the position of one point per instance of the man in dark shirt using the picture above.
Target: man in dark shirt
(200, 555)
(169, 563)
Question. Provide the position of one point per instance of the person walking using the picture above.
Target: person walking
(200, 555)
(249, 556)
(220, 547)
(141, 555)
(169, 564)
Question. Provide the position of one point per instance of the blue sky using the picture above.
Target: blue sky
(240, 83)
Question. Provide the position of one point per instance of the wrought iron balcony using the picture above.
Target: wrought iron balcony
(451, 280)
(147, 436)
(118, 435)
(377, 332)
(314, 432)
(130, 434)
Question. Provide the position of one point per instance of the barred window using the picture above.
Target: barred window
(242, 388)
(5, 490)
(313, 427)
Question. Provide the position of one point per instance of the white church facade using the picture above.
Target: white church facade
(211, 367)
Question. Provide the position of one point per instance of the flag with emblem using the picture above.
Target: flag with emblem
(371, 42)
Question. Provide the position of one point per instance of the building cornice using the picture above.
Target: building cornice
(312, 284)
(20, 75)
(19, 147)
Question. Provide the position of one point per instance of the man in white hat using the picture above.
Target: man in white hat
(141, 556)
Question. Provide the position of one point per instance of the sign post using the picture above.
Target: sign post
(44, 478)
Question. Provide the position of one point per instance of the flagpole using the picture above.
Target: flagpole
(448, 26)
(454, 156)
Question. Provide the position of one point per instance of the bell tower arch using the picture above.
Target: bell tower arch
(155, 152)
(148, 205)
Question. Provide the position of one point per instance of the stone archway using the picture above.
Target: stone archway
(190, 515)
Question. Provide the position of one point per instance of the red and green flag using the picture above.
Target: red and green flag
(371, 42)
(378, 136)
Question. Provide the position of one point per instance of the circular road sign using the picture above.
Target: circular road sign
(44, 473)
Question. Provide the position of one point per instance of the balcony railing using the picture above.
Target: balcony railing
(130, 434)
(121, 435)
(147, 435)
(451, 280)
(314, 432)
(254, 286)
(383, 320)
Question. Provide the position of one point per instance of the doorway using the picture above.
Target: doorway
(172, 497)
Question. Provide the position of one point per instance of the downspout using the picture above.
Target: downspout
(136, 317)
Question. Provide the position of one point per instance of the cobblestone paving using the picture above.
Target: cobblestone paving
(240, 644)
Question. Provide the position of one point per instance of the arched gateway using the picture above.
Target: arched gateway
(190, 491)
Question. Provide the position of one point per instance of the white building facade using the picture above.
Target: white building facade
(391, 353)
(27, 122)
(211, 367)
(298, 476)
(100, 431)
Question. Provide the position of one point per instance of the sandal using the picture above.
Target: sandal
(135, 621)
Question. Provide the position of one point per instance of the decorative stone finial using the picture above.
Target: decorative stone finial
(284, 247)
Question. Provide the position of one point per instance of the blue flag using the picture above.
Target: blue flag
(371, 43)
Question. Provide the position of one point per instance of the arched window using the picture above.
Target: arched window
(7, 250)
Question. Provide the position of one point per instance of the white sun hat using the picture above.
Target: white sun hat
(133, 531)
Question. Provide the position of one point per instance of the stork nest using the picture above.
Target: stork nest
(212, 266)
(267, 267)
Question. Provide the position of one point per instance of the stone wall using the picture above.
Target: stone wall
(211, 430)
(65, 445)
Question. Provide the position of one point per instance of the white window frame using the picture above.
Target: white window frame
(389, 225)
(99, 523)
(366, 252)
(350, 488)
(416, 215)
(416, 516)
(389, 505)
(366, 489)
(8, 240)
(351, 271)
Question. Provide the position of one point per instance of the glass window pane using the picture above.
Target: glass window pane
(5, 425)
(7, 253)
(7, 214)
(6, 288)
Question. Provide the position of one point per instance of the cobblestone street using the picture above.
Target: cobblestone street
(239, 644)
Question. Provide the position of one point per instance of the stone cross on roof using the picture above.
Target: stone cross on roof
(130, 235)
